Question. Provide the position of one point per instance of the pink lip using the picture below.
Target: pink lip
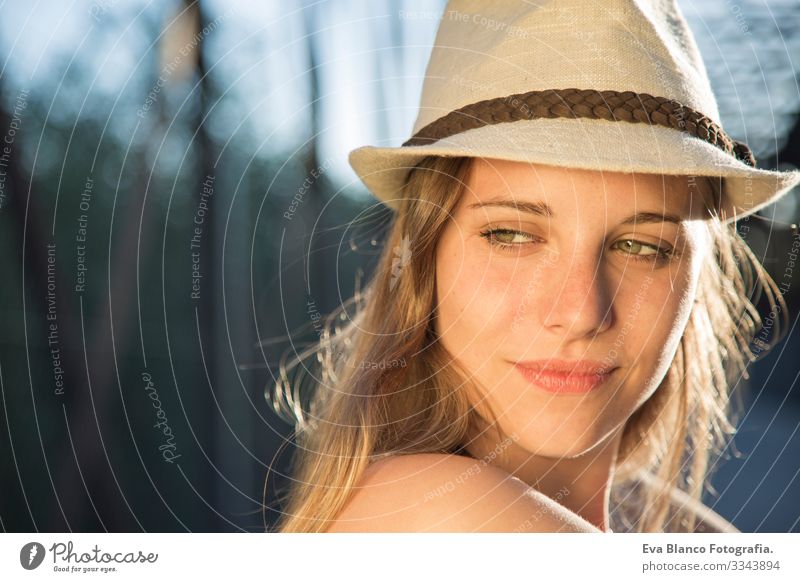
(563, 376)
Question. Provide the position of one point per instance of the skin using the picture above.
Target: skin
(568, 287)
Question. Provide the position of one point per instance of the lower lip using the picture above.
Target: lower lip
(564, 383)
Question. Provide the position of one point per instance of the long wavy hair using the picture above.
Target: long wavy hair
(378, 383)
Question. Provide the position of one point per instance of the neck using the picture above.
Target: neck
(582, 484)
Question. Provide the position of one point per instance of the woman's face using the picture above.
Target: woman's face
(540, 263)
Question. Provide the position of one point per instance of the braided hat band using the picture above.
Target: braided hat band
(480, 76)
(587, 103)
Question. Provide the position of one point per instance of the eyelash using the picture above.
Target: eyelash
(661, 255)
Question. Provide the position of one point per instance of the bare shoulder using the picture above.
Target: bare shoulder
(447, 493)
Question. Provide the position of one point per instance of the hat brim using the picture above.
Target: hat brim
(594, 144)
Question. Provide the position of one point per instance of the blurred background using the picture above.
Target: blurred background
(175, 202)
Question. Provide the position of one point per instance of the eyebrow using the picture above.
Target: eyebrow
(544, 209)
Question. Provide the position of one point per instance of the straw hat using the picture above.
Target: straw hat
(616, 85)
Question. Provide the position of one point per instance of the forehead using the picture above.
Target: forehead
(566, 188)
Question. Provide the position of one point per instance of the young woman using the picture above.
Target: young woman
(563, 301)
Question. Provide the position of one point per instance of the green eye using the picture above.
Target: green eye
(635, 247)
(634, 250)
(507, 239)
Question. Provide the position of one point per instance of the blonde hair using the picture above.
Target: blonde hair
(377, 383)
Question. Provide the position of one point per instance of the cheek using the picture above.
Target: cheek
(476, 300)
(650, 315)
(654, 339)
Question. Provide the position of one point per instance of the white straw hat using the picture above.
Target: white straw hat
(615, 85)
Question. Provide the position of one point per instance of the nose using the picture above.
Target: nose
(577, 299)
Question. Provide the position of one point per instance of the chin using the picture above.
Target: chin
(559, 440)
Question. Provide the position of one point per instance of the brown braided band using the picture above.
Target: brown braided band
(589, 103)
